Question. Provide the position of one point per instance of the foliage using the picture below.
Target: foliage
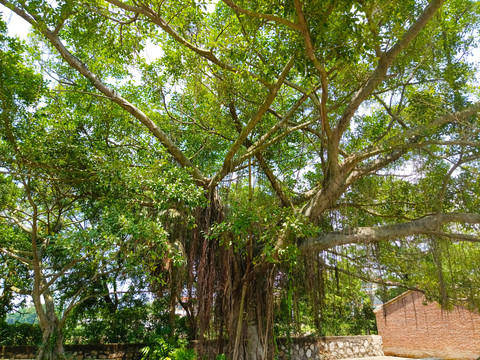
(132, 320)
(19, 334)
(77, 212)
(335, 305)
(125, 325)
(347, 312)
(25, 315)
(164, 348)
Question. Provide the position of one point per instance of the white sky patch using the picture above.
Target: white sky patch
(211, 5)
(15, 24)
(152, 52)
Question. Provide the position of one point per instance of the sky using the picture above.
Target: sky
(16, 25)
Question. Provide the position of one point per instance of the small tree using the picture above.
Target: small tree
(78, 211)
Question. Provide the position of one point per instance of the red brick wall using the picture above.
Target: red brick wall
(410, 327)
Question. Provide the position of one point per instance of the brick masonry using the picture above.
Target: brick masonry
(411, 327)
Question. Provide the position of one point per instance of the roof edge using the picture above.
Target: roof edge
(393, 300)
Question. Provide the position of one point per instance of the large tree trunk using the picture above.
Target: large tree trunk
(232, 291)
(232, 298)
(250, 328)
(52, 344)
(52, 339)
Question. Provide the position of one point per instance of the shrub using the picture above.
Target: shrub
(19, 334)
(171, 348)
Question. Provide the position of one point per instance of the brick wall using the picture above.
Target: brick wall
(412, 328)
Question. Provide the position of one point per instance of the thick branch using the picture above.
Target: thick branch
(273, 181)
(427, 225)
(62, 272)
(305, 196)
(275, 140)
(165, 26)
(14, 255)
(348, 174)
(112, 95)
(375, 165)
(18, 223)
(403, 140)
(386, 60)
(310, 51)
(253, 148)
(396, 146)
(456, 237)
(227, 163)
(75, 301)
(261, 160)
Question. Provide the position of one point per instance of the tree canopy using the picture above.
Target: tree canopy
(269, 142)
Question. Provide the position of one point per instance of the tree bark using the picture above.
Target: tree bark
(52, 339)
(424, 226)
(252, 339)
(52, 346)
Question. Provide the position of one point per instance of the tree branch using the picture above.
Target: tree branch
(375, 165)
(396, 146)
(257, 15)
(165, 26)
(253, 148)
(403, 139)
(427, 225)
(13, 255)
(276, 139)
(73, 299)
(310, 51)
(19, 291)
(227, 163)
(386, 60)
(369, 279)
(18, 223)
(62, 272)
(263, 164)
(76, 64)
(456, 237)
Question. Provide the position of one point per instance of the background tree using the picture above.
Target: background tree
(79, 210)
